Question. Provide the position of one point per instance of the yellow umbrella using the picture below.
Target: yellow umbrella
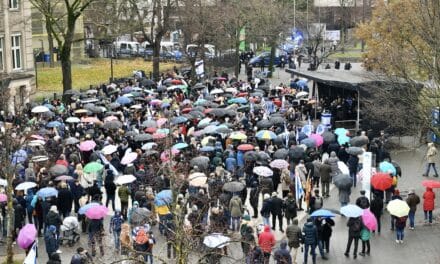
(205, 140)
(398, 208)
(238, 135)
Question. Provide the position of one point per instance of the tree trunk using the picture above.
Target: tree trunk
(156, 58)
(50, 42)
(10, 223)
(272, 57)
(237, 57)
(66, 69)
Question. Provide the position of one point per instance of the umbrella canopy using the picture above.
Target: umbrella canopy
(328, 137)
(97, 212)
(27, 236)
(149, 123)
(369, 220)
(124, 179)
(140, 216)
(180, 146)
(201, 162)
(207, 149)
(64, 178)
(92, 167)
(398, 208)
(204, 122)
(234, 186)
(341, 131)
(309, 142)
(264, 123)
(129, 158)
(343, 181)
(279, 164)
(322, 213)
(20, 155)
(40, 109)
(216, 240)
(143, 137)
(355, 151)
(86, 207)
(343, 139)
(343, 168)
(296, 152)
(3, 197)
(265, 135)
(381, 181)
(281, 153)
(319, 140)
(47, 192)
(71, 141)
(387, 167)
(237, 135)
(112, 125)
(178, 120)
(197, 179)
(351, 210)
(123, 100)
(359, 141)
(53, 124)
(25, 185)
(431, 184)
(3, 182)
(263, 171)
(87, 145)
(109, 149)
(277, 120)
(149, 145)
(245, 147)
(163, 198)
(58, 169)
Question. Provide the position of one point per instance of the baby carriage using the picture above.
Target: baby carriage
(69, 231)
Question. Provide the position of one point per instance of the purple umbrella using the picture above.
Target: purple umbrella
(97, 212)
(27, 236)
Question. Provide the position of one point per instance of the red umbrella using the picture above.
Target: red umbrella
(431, 184)
(245, 147)
(150, 130)
(243, 94)
(186, 110)
(381, 181)
(175, 82)
(206, 111)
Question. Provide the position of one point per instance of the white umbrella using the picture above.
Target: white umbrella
(301, 94)
(197, 179)
(343, 168)
(3, 182)
(231, 90)
(40, 109)
(73, 119)
(129, 158)
(37, 142)
(216, 240)
(109, 149)
(25, 185)
(136, 106)
(217, 91)
(40, 158)
(263, 171)
(148, 145)
(124, 179)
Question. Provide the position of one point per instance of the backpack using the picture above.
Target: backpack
(76, 259)
(318, 203)
(117, 222)
(291, 205)
(141, 237)
(357, 226)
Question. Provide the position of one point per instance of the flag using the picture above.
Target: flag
(286, 134)
(299, 191)
(31, 257)
(105, 161)
(283, 102)
(251, 107)
(297, 136)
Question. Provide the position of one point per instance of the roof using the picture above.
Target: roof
(348, 79)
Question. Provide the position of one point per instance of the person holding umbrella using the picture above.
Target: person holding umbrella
(376, 207)
(354, 232)
(400, 223)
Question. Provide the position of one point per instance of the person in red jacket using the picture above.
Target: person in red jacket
(428, 204)
(266, 241)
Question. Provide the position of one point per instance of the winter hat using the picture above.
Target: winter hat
(412, 191)
(54, 209)
(266, 196)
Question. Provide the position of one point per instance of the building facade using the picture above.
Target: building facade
(17, 75)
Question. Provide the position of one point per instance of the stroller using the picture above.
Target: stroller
(69, 231)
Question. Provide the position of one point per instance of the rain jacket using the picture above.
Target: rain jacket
(310, 234)
(293, 233)
(333, 162)
(428, 200)
(266, 240)
(282, 255)
(236, 207)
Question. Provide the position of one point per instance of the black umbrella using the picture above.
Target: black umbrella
(355, 151)
(147, 83)
(264, 123)
(281, 154)
(202, 162)
(231, 112)
(359, 141)
(114, 105)
(149, 123)
(71, 141)
(196, 114)
(250, 156)
(199, 86)
(233, 187)
(58, 170)
(131, 134)
(143, 137)
(243, 108)
(343, 181)
(140, 216)
(296, 152)
(112, 125)
(277, 120)
(310, 143)
(328, 137)
(219, 112)
(72, 92)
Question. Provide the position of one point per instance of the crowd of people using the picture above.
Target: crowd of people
(194, 154)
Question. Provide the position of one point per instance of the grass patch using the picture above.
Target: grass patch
(347, 54)
(94, 73)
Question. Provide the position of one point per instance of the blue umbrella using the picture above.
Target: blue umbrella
(210, 129)
(19, 156)
(342, 139)
(238, 100)
(86, 207)
(322, 213)
(310, 143)
(164, 105)
(341, 131)
(123, 100)
(163, 198)
(53, 124)
(178, 120)
(265, 134)
(307, 129)
(51, 107)
(351, 210)
(387, 167)
(47, 192)
(200, 101)
(163, 131)
(180, 146)
(207, 149)
(301, 136)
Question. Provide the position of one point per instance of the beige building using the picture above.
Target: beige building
(17, 80)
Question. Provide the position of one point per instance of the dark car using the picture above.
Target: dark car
(264, 58)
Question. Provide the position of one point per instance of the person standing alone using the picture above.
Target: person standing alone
(430, 158)
(413, 200)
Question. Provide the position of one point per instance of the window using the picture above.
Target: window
(16, 52)
(1, 54)
(13, 4)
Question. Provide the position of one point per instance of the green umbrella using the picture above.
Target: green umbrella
(93, 167)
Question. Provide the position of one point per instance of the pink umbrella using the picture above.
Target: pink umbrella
(129, 158)
(155, 102)
(319, 140)
(110, 118)
(159, 135)
(165, 156)
(369, 220)
(27, 236)
(87, 145)
(3, 197)
(97, 212)
(37, 137)
(161, 121)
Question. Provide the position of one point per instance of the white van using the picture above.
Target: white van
(128, 48)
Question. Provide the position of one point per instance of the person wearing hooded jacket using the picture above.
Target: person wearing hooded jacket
(282, 254)
(325, 173)
(266, 241)
(333, 162)
(310, 239)
(294, 237)
(428, 204)
(266, 209)
(254, 197)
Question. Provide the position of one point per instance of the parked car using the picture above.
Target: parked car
(264, 58)
(128, 49)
